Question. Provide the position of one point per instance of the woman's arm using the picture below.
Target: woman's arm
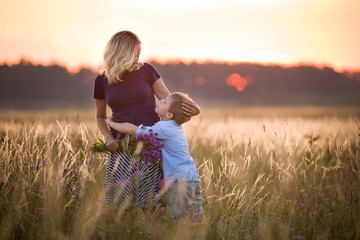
(111, 143)
(161, 92)
(127, 128)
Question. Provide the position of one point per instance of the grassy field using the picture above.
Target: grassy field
(267, 173)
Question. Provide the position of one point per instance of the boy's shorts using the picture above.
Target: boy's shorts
(184, 198)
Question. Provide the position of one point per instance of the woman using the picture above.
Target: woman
(128, 87)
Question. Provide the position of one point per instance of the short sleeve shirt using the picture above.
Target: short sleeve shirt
(176, 160)
(131, 100)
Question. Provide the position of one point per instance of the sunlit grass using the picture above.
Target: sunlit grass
(267, 173)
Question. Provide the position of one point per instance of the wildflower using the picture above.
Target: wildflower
(316, 213)
(161, 183)
(168, 185)
(123, 182)
(160, 211)
(190, 203)
(152, 147)
(96, 232)
(41, 213)
(273, 214)
(303, 205)
(2, 182)
(196, 214)
(102, 213)
(145, 136)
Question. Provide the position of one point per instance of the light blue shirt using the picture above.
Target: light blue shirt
(176, 160)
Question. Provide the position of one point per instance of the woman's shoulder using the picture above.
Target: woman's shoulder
(101, 75)
(148, 66)
(152, 73)
(101, 78)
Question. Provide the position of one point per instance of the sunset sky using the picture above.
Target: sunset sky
(74, 32)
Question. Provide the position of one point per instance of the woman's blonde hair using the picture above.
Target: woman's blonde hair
(120, 54)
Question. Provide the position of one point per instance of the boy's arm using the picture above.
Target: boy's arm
(126, 128)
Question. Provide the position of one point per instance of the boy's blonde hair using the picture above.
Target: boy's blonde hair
(177, 98)
(119, 55)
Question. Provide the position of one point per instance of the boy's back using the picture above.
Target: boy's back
(177, 162)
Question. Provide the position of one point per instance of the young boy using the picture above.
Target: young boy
(179, 168)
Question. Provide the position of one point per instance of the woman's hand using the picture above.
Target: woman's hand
(190, 108)
(111, 144)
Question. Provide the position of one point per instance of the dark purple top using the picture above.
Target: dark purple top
(131, 100)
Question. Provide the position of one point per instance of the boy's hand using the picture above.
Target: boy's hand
(109, 121)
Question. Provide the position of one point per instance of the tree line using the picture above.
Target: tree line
(26, 85)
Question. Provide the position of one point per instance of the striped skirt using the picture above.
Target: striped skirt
(131, 182)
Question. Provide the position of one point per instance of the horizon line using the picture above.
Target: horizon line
(179, 61)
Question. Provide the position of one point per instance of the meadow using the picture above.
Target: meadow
(266, 173)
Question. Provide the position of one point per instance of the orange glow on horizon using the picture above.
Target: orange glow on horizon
(175, 61)
(26, 61)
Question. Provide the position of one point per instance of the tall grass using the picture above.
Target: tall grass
(266, 174)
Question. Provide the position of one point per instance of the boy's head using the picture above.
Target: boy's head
(171, 108)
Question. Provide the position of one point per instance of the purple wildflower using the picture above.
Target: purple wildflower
(96, 232)
(160, 211)
(102, 213)
(196, 214)
(152, 147)
(161, 183)
(42, 213)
